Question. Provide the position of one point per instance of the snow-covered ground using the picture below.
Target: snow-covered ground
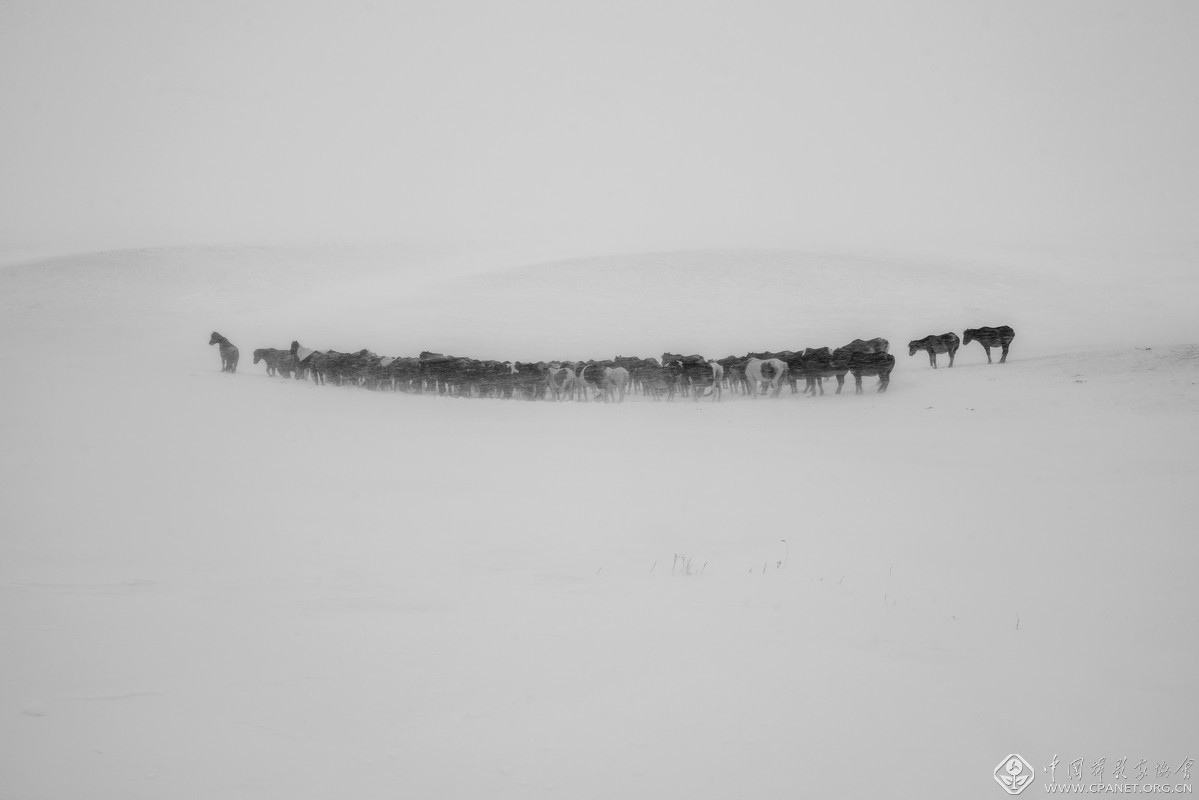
(236, 586)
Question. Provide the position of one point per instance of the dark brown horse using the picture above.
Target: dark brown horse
(879, 364)
(945, 343)
(991, 337)
(280, 362)
(841, 357)
(228, 352)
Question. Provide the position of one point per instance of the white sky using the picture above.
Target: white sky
(659, 123)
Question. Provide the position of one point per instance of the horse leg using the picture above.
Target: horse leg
(932, 358)
(857, 378)
(988, 349)
(1003, 358)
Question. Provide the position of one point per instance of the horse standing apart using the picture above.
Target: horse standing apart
(991, 337)
(945, 343)
(229, 353)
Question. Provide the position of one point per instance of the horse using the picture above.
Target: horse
(281, 362)
(876, 345)
(350, 368)
(813, 364)
(879, 364)
(614, 384)
(695, 373)
(768, 372)
(945, 343)
(839, 364)
(734, 368)
(588, 387)
(991, 337)
(717, 380)
(229, 354)
(561, 381)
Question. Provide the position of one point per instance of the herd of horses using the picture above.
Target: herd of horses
(755, 374)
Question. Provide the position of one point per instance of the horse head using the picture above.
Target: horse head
(216, 338)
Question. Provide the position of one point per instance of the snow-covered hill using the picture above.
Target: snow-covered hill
(240, 586)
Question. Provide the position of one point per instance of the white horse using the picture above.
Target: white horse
(615, 383)
(717, 380)
(769, 372)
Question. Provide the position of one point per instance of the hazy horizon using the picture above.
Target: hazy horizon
(602, 127)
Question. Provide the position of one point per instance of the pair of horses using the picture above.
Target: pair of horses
(1000, 337)
(610, 384)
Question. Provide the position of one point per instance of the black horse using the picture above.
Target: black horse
(840, 365)
(813, 365)
(694, 374)
(991, 337)
(281, 362)
(945, 343)
(879, 364)
(229, 353)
